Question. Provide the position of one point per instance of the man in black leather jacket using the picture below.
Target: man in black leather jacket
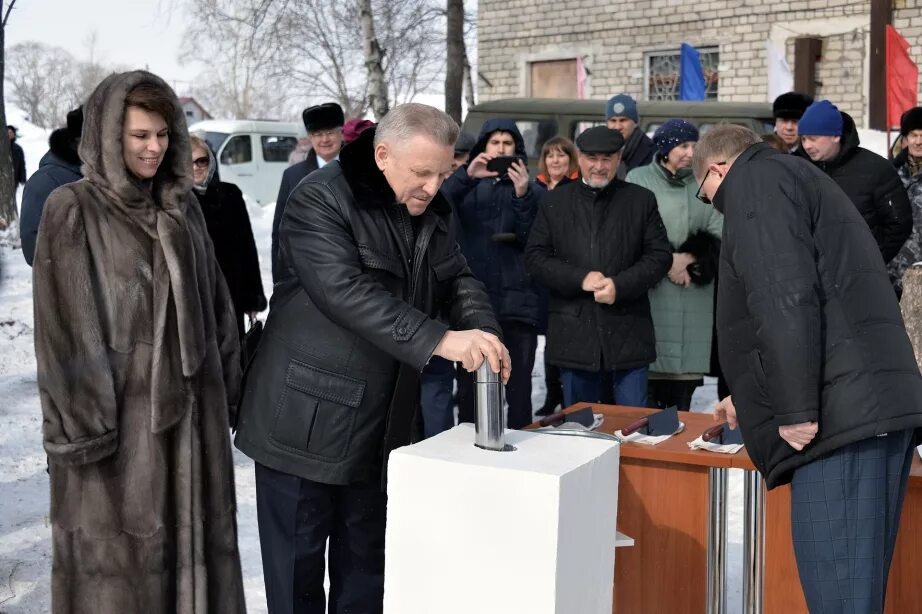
(368, 260)
(823, 378)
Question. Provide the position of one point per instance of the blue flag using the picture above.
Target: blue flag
(691, 75)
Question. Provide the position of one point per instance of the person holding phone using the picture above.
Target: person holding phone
(496, 202)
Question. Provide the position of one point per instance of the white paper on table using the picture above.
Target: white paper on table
(650, 440)
(727, 448)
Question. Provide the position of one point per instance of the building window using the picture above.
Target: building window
(662, 73)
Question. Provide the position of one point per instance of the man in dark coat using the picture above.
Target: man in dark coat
(638, 149)
(19, 158)
(59, 166)
(324, 123)
(496, 213)
(830, 139)
(822, 374)
(369, 258)
(600, 245)
(787, 109)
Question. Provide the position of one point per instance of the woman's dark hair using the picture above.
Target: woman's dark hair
(561, 144)
(154, 99)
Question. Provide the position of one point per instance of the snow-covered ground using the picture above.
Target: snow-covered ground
(25, 546)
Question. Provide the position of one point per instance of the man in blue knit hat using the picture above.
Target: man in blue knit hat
(638, 150)
(830, 140)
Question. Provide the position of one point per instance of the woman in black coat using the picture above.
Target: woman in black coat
(229, 227)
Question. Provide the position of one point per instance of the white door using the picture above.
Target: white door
(274, 150)
(238, 166)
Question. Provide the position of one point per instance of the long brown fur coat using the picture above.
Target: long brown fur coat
(138, 374)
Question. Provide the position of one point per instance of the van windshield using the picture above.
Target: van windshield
(215, 140)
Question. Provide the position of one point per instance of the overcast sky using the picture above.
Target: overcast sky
(134, 33)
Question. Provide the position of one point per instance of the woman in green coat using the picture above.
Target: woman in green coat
(682, 304)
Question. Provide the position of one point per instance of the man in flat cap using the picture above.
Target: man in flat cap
(599, 245)
(324, 123)
(787, 110)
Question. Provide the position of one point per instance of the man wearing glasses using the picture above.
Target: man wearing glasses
(324, 123)
(599, 245)
(824, 383)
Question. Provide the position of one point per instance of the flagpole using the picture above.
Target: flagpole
(887, 91)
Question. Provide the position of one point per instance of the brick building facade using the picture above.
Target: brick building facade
(524, 46)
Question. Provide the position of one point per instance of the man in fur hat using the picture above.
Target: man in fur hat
(324, 123)
(787, 109)
(369, 260)
(59, 166)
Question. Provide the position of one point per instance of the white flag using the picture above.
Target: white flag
(780, 75)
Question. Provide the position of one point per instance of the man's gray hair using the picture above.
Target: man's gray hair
(721, 144)
(405, 121)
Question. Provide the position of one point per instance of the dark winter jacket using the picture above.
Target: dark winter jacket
(911, 252)
(334, 386)
(638, 151)
(290, 178)
(61, 165)
(875, 189)
(229, 227)
(19, 163)
(808, 325)
(494, 229)
(618, 232)
(138, 373)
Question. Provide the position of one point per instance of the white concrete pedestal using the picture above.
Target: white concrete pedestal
(473, 531)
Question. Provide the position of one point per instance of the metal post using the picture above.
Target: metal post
(490, 428)
(717, 541)
(753, 542)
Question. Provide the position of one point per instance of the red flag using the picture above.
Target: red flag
(902, 78)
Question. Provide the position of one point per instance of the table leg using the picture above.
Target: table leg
(717, 541)
(753, 542)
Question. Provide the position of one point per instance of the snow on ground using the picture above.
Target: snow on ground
(25, 536)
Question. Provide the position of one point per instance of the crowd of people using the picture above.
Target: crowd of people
(401, 261)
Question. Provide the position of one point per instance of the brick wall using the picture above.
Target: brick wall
(615, 38)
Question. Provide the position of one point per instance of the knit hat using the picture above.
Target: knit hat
(75, 122)
(354, 127)
(911, 120)
(791, 105)
(622, 105)
(673, 133)
(821, 118)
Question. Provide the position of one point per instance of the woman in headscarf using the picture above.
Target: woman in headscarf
(138, 370)
(682, 304)
(229, 228)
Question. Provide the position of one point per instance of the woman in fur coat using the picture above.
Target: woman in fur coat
(138, 370)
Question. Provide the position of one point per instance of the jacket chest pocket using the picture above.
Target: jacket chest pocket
(316, 413)
(449, 267)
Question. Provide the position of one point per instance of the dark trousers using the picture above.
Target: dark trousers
(626, 387)
(438, 381)
(845, 512)
(296, 517)
(522, 342)
(665, 393)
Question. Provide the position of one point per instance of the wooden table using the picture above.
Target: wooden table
(663, 498)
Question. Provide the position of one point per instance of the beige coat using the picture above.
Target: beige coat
(138, 370)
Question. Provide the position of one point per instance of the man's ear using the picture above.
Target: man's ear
(381, 155)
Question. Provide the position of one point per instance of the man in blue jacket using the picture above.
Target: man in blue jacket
(496, 213)
(59, 166)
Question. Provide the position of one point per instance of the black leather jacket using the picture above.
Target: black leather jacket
(334, 385)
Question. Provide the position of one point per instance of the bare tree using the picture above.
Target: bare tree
(8, 212)
(41, 81)
(240, 43)
(374, 61)
(455, 58)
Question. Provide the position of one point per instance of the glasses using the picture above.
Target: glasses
(320, 134)
(698, 194)
(201, 162)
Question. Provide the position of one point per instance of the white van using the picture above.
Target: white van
(251, 154)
